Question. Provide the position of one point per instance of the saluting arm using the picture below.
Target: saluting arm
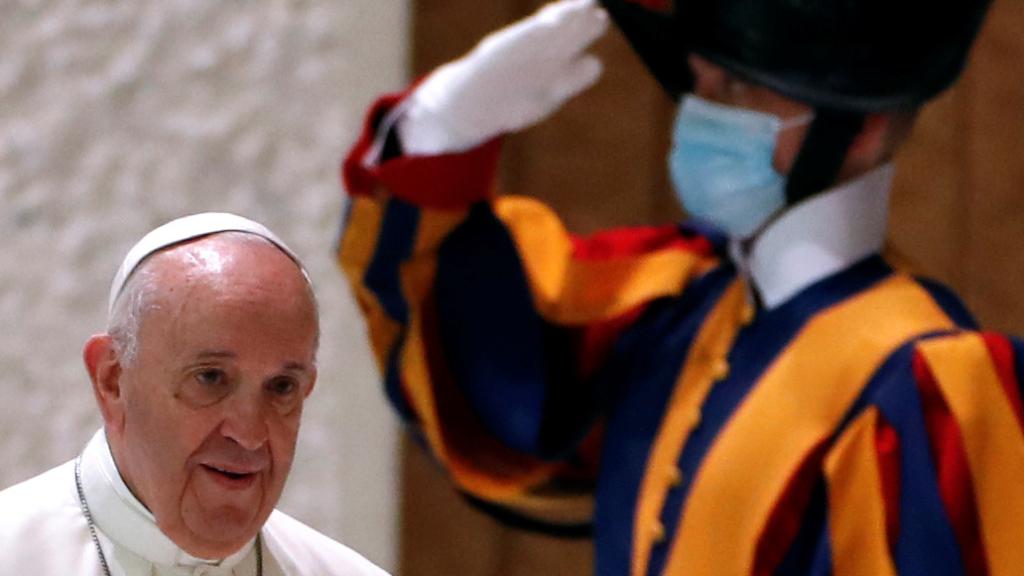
(484, 313)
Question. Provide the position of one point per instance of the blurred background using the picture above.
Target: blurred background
(118, 115)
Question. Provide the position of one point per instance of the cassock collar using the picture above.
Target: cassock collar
(120, 515)
(818, 237)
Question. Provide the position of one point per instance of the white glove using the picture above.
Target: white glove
(512, 79)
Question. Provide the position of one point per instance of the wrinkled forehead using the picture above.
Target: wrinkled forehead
(222, 292)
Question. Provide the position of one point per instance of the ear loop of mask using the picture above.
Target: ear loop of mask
(795, 121)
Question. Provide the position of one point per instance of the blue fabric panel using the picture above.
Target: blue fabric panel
(926, 544)
(572, 405)
(492, 337)
(950, 303)
(393, 384)
(822, 563)
(395, 242)
(394, 245)
(810, 553)
(1018, 361)
(644, 365)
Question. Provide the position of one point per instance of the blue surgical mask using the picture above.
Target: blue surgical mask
(721, 165)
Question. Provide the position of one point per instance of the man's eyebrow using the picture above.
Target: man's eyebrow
(289, 366)
(215, 354)
(296, 367)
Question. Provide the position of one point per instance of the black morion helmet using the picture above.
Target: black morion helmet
(845, 58)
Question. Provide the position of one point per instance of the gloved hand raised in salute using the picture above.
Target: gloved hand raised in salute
(512, 79)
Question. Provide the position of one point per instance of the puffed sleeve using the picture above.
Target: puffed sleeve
(934, 482)
(487, 317)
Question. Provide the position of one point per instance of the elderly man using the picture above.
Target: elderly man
(201, 377)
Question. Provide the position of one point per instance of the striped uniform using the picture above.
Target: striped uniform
(862, 427)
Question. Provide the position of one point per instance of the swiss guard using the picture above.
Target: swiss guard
(755, 391)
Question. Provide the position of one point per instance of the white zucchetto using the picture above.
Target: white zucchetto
(187, 228)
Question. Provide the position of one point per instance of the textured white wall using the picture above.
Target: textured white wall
(117, 115)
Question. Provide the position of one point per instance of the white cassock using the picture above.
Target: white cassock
(44, 532)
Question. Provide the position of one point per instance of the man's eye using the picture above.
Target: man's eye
(285, 393)
(211, 377)
(283, 386)
(205, 387)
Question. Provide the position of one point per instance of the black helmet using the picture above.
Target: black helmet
(845, 58)
(857, 55)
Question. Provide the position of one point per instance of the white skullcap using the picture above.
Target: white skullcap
(188, 228)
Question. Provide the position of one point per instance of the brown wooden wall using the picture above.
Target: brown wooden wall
(958, 215)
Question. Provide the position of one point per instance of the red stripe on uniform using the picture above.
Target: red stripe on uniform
(887, 446)
(635, 241)
(596, 341)
(1002, 356)
(784, 522)
(955, 485)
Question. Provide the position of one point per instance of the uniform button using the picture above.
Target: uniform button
(747, 315)
(658, 532)
(694, 418)
(720, 370)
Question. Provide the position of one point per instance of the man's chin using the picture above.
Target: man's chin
(218, 534)
(219, 523)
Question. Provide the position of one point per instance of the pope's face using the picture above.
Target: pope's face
(212, 403)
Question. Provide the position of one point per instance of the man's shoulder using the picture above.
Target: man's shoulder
(51, 492)
(42, 529)
(300, 549)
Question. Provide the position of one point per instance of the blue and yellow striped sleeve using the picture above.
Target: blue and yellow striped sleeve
(487, 317)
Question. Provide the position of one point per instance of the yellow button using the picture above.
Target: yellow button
(694, 418)
(658, 531)
(675, 476)
(721, 370)
(747, 315)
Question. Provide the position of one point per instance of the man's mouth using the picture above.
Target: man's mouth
(231, 478)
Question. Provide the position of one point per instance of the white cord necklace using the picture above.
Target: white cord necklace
(96, 540)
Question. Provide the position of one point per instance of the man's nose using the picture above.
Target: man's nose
(245, 421)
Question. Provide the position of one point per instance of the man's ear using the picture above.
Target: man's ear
(312, 383)
(104, 367)
(872, 144)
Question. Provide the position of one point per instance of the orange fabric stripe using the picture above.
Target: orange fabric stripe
(359, 242)
(434, 227)
(797, 404)
(857, 522)
(712, 342)
(571, 291)
(1001, 350)
(993, 441)
(355, 252)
